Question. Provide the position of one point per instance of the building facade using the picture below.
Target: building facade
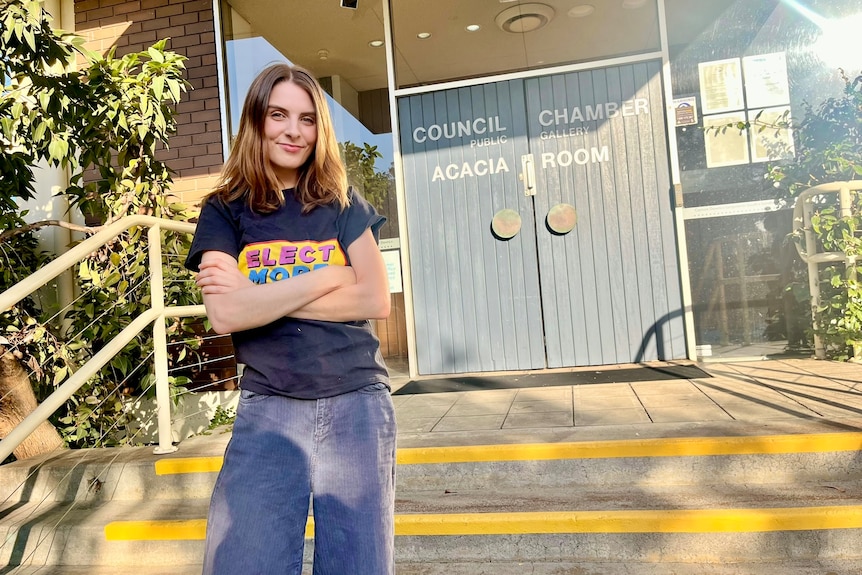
(559, 184)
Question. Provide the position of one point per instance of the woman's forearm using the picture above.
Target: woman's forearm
(258, 305)
(351, 303)
(367, 298)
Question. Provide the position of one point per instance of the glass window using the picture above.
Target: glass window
(734, 59)
(763, 62)
(739, 278)
(349, 59)
(359, 104)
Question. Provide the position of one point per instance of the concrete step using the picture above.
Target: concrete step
(696, 523)
(831, 567)
(95, 570)
(137, 474)
(565, 507)
(112, 473)
(650, 461)
(73, 533)
(618, 498)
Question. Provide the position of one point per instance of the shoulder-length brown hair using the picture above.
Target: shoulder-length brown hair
(248, 173)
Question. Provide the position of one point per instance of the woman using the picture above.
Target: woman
(289, 265)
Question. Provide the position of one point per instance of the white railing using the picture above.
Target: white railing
(156, 315)
(804, 208)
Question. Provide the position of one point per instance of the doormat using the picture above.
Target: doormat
(481, 383)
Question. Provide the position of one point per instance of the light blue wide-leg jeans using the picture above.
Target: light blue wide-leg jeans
(340, 449)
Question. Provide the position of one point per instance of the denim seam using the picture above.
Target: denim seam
(314, 443)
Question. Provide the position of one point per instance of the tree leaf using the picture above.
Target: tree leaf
(158, 87)
(58, 148)
(156, 54)
(60, 375)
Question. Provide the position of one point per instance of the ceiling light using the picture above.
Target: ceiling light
(632, 4)
(323, 54)
(376, 43)
(581, 11)
(472, 27)
(423, 35)
(524, 17)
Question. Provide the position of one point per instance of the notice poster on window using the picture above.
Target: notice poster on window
(766, 82)
(392, 260)
(771, 137)
(720, 86)
(685, 111)
(726, 145)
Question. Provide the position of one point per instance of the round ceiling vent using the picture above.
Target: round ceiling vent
(524, 17)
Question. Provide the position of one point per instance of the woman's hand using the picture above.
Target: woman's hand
(220, 275)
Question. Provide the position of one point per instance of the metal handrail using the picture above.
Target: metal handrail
(802, 221)
(155, 315)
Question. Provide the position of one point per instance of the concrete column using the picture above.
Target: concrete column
(46, 205)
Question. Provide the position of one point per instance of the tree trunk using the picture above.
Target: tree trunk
(17, 401)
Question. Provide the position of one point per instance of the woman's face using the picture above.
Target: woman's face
(289, 131)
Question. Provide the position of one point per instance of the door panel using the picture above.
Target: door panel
(477, 303)
(605, 292)
(610, 287)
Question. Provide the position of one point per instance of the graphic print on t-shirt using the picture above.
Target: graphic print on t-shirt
(266, 262)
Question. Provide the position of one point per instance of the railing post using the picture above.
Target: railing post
(160, 342)
(813, 275)
(846, 205)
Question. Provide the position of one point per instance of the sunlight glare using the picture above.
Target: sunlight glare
(834, 47)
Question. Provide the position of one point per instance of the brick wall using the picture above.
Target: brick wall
(195, 152)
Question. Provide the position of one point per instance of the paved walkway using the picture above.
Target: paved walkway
(773, 396)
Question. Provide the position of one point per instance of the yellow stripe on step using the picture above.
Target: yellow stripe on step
(182, 529)
(178, 465)
(652, 521)
(658, 447)
(174, 530)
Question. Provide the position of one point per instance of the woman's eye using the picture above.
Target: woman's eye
(308, 120)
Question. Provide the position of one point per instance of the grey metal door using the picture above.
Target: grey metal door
(476, 298)
(610, 287)
(489, 295)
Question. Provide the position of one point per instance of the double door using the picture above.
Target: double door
(540, 224)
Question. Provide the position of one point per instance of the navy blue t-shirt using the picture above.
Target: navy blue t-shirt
(305, 359)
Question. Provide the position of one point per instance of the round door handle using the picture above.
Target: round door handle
(506, 224)
(561, 219)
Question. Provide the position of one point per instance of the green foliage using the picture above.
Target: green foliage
(828, 148)
(363, 176)
(26, 43)
(828, 143)
(839, 316)
(222, 417)
(132, 99)
(104, 121)
(38, 92)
